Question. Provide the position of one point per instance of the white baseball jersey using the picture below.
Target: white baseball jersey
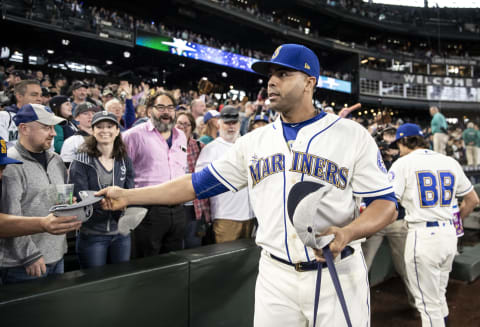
(228, 205)
(8, 129)
(330, 150)
(426, 182)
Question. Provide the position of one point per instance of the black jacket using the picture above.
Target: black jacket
(83, 175)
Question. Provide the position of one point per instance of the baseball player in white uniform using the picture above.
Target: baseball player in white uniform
(301, 145)
(426, 184)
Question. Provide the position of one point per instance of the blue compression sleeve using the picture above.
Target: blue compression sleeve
(206, 185)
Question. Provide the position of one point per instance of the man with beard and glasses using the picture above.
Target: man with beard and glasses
(232, 215)
(159, 154)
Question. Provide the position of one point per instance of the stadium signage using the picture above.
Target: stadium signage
(196, 51)
(441, 81)
(414, 79)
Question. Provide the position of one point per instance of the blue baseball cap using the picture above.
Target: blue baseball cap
(293, 56)
(4, 160)
(209, 115)
(262, 117)
(406, 130)
(37, 112)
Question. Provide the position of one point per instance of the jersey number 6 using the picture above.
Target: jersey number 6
(434, 188)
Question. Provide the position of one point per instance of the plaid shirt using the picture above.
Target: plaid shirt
(193, 151)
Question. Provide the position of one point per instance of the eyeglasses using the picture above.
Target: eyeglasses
(184, 124)
(162, 108)
(46, 128)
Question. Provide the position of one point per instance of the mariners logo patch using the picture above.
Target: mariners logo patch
(380, 162)
(277, 51)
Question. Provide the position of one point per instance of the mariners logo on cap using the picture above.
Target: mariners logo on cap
(3, 146)
(277, 51)
(306, 66)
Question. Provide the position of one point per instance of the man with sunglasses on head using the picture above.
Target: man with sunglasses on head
(30, 257)
(159, 154)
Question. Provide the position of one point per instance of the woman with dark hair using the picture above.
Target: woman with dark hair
(194, 210)
(102, 161)
(62, 107)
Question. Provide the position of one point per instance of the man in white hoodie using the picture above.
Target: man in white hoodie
(232, 215)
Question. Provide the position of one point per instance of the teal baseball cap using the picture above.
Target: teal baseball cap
(293, 56)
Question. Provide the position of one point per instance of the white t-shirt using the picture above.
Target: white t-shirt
(426, 183)
(228, 205)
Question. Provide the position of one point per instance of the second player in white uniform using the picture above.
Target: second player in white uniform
(426, 184)
(301, 145)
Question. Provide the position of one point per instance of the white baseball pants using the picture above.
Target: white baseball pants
(285, 297)
(429, 254)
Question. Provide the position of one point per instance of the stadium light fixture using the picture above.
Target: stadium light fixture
(224, 74)
(50, 51)
(109, 62)
(126, 54)
(65, 42)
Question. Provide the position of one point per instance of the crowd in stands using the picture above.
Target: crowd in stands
(392, 45)
(59, 12)
(461, 20)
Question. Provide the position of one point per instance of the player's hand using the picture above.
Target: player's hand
(37, 269)
(342, 238)
(115, 198)
(60, 225)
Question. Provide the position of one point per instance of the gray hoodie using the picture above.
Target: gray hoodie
(26, 193)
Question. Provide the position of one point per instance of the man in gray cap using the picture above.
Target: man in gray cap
(232, 215)
(28, 185)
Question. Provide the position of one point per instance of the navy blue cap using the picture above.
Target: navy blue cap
(4, 160)
(36, 112)
(261, 117)
(294, 56)
(209, 115)
(406, 130)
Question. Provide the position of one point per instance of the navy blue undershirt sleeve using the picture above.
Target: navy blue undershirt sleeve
(388, 196)
(206, 185)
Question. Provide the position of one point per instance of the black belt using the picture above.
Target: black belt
(313, 265)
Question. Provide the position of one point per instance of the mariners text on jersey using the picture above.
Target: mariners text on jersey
(303, 163)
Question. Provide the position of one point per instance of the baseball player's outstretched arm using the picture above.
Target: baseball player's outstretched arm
(177, 191)
(469, 202)
(376, 216)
